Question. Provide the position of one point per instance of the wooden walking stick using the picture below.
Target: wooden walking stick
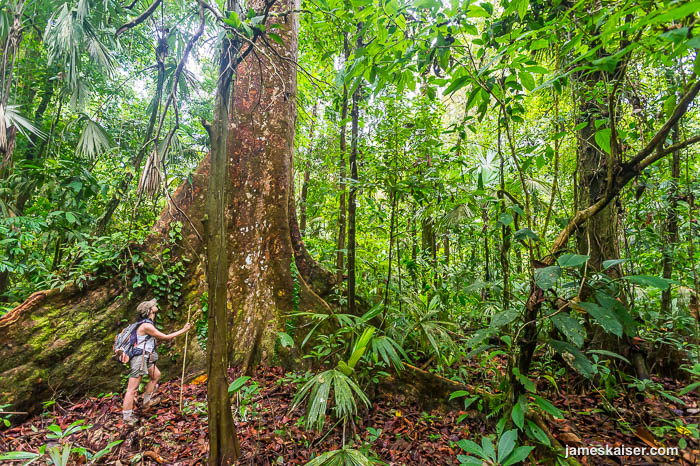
(184, 357)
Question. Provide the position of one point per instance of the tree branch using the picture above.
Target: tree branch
(660, 136)
(139, 19)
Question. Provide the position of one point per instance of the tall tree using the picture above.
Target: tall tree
(342, 173)
(223, 441)
(352, 198)
(262, 237)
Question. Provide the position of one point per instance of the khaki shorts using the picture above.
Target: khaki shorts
(140, 364)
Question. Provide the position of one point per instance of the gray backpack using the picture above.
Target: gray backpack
(125, 341)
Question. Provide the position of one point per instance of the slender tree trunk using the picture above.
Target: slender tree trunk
(391, 245)
(505, 229)
(307, 175)
(342, 174)
(671, 226)
(304, 195)
(223, 441)
(352, 199)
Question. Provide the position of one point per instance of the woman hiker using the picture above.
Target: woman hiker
(145, 363)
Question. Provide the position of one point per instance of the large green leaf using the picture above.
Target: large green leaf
(570, 327)
(602, 138)
(503, 318)
(629, 325)
(527, 80)
(518, 455)
(571, 260)
(525, 233)
(604, 317)
(573, 357)
(547, 277)
(648, 280)
(506, 444)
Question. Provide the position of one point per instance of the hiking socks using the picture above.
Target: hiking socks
(128, 415)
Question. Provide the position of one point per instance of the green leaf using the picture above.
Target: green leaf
(285, 340)
(539, 44)
(536, 433)
(648, 280)
(604, 317)
(19, 455)
(527, 383)
(489, 450)
(506, 444)
(522, 8)
(458, 394)
(518, 416)
(457, 84)
(276, 37)
(505, 219)
(525, 233)
(690, 388)
(612, 263)
(602, 138)
(547, 277)
(527, 80)
(71, 218)
(573, 357)
(609, 353)
(518, 455)
(572, 260)
(345, 369)
(471, 447)
(570, 327)
(548, 407)
(503, 318)
(238, 383)
(606, 301)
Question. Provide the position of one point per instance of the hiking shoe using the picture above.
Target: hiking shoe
(130, 420)
(152, 402)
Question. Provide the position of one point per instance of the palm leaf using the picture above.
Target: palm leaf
(13, 118)
(344, 457)
(93, 141)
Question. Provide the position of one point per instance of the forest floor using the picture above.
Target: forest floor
(395, 429)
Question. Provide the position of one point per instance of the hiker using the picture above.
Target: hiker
(145, 362)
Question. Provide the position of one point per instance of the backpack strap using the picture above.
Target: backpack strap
(141, 322)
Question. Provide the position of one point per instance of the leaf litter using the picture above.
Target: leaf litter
(396, 429)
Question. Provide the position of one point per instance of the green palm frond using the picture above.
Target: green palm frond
(318, 389)
(458, 215)
(67, 34)
(93, 141)
(538, 186)
(386, 349)
(12, 117)
(344, 457)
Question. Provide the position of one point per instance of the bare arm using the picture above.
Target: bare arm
(149, 329)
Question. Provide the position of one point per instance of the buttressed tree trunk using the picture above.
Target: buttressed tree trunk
(263, 287)
(59, 342)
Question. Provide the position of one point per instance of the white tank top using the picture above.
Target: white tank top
(150, 343)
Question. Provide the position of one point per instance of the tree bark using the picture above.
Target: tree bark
(59, 342)
(668, 246)
(223, 441)
(307, 175)
(342, 174)
(352, 199)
